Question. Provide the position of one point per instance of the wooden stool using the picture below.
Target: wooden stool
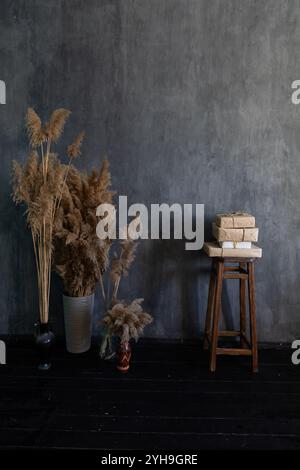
(242, 269)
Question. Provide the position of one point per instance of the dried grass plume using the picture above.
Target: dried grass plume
(127, 321)
(39, 184)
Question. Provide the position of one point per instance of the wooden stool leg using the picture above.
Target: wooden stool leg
(243, 324)
(209, 311)
(251, 289)
(216, 315)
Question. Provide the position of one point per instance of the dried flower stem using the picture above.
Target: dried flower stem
(102, 287)
(38, 184)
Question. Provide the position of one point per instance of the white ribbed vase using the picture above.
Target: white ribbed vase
(78, 312)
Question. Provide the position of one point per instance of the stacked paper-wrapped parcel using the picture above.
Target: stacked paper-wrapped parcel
(235, 233)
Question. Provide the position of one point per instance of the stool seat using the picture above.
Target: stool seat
(231, 267)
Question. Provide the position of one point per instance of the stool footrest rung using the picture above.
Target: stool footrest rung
(229, 333)
(234, 352)
(235, 275)
(235, 269)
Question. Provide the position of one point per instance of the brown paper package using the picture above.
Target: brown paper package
(235, 220)
(235, 234)
(214, 250)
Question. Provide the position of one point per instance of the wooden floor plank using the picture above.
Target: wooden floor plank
(171, 386)
(166, 441)
(167, 400)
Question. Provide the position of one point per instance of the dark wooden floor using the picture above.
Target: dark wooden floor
(168, 400)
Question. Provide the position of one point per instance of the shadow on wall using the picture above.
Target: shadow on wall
(177, 277)
(20, 284)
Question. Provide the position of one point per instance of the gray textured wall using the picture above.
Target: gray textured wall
(190, 99)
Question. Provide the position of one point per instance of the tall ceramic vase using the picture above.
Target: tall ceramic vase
(78, 312)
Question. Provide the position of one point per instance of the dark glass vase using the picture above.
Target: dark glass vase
(44, 340)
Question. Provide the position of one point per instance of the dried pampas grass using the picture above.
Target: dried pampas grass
(39, 184)
(55, 126)
(80, 257)
(74, 150)
(34, 128)
(120, 264)
(127, 321)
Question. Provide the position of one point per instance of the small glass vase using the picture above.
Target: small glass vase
(108, 346)
(124, 356)
(44, 341)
